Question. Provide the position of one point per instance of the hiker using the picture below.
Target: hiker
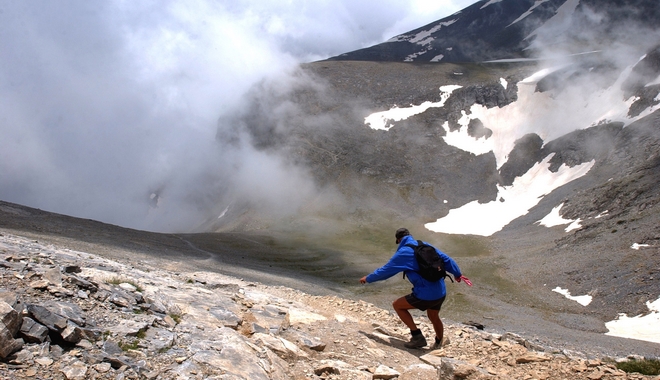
(425, 295)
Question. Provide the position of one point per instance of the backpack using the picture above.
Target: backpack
(431, 265)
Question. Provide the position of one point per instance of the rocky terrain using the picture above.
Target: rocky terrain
(70, 314)
(254, 292)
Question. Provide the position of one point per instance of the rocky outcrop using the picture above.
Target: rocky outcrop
(75, 315)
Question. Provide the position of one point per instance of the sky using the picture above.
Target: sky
(109, 109)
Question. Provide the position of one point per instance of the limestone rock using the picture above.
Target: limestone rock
(385, 372)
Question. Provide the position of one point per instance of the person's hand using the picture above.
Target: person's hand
(363, 280)
(464, 279)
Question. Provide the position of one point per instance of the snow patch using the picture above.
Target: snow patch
(437, 58)
(529, 12)
(382, 120)
(423, 35)
(512, 202)
(557, 23)
(642, 327)
(461, 139)
(490, 3)
(636, 246)
(582, 300)
(504, 83)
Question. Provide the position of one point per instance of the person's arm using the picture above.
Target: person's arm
(397, 263)
(452, 267)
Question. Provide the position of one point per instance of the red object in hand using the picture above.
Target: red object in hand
(465, 279)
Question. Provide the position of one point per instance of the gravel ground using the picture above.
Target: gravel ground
(503, 303)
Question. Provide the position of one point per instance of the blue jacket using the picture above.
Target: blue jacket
(404, 261)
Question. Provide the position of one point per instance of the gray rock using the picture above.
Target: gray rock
(10, 318)
(231, 355)
(9, 297)
(157, 339)
(330, 367)
(82, 283)
(227, 317)
(8, 345)
(75, 371)
(385, 372)
(54, 276)
(72, 333)
(53, 321)
(111, 347)
(453, 368)
(269, 317)
(67, 310)
(72, 269)
(24, 356)
(131, 327)
(33, 332)
(122, 299)
(419, 372)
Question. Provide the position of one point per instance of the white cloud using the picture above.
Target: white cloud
(104, 104)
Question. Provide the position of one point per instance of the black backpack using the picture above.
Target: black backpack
(431, 266)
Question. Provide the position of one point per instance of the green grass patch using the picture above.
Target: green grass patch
(176, 318)
(645, 367)
(128, 346)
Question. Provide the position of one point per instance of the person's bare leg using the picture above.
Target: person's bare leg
(439, 328)
(401, 306)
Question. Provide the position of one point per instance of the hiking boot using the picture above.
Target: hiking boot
(438, 345)
(417, 341)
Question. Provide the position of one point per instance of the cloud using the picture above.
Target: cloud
(109, 110)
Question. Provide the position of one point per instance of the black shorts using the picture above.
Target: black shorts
(423, 304)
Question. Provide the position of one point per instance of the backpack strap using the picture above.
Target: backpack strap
(413, 248)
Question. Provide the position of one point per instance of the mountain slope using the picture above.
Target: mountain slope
(502, 144)
(493, 30)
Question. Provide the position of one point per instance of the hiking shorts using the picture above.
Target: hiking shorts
(424, 304)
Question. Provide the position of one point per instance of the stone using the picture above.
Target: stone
(330, 367)
(53, 321)
(532, 358)
(33, 332)
(157, 339)
(419, 372)
(131, 327)
(226, 317)
(230, 355)
(432, 359)
(72, 333)
(312, 343)
(297, 316)
(24, 356)
(111, 347)
(385, 372)
(9, 298)
(53, 276)
(102, 367)
(39, 284)
(8, 345)
(82, 283)
(269, 318)
(127, 287)
(10, 318)
(44, 361)
(72, 269)
(75, 371)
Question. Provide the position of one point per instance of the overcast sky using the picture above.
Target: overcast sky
(104, 103)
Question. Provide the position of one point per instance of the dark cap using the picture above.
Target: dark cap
(401, 232)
